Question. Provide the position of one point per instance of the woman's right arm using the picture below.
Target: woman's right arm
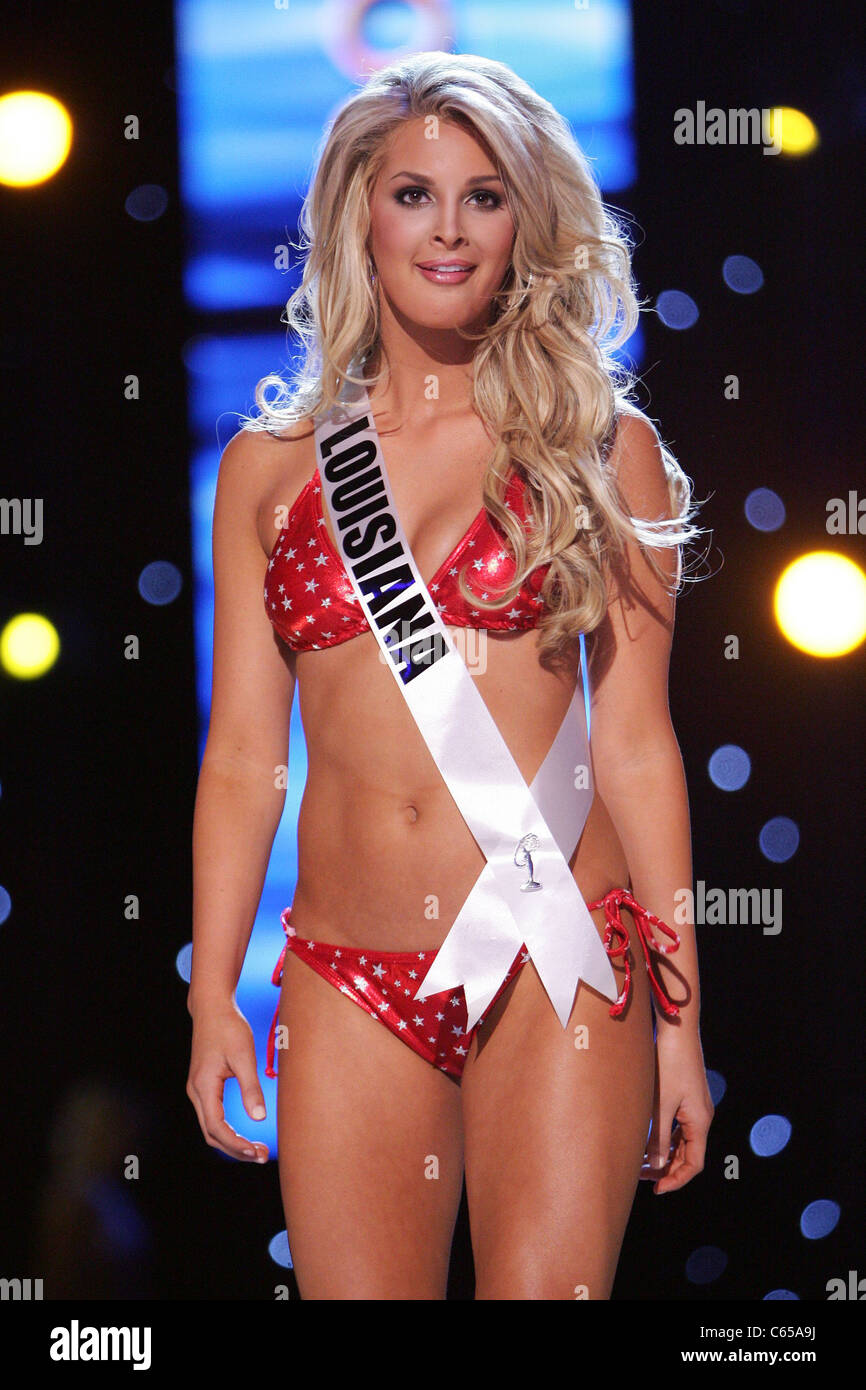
(240, 794)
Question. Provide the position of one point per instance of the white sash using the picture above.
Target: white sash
(514, 902)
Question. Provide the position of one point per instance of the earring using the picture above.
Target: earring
(372, 274)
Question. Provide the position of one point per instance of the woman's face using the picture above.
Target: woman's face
(439, 201)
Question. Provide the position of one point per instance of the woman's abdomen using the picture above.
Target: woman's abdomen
(380, 870)
(392, 873)
(385, 858)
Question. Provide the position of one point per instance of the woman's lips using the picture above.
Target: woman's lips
(446, 277)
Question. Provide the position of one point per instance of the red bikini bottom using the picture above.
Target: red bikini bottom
(383, 983)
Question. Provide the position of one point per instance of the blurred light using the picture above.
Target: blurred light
(121, 1227)
(183, 962)
(796, 133)
(730, 767)
(777, 1294)
(147, 202)
(390, 26)
(29, 645)
(35, 136)
(217, 281)
(779, 839)
(5, 905)
(819, 1218)
(160, 582)
(820, 604)
(717, 1086)
(764, 509)
(278, 1249)
(676, 309)
(632, 351)
(769, 1135)
(742, 275)
(706, 1264)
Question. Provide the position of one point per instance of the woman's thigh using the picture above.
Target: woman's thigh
(370, 1150)
(555, 1127)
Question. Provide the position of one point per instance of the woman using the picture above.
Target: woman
(508, 436)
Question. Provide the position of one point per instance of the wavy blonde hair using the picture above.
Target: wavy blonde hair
(546, 383)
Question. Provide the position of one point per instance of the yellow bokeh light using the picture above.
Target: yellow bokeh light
(820, 604)
(35, 135)
(29, 645)
(792, 130)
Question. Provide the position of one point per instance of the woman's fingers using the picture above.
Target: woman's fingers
(688, 1157)
(652, 1168)
(222, 1047)
(206, 1094)
(661, 1139)
(248, 1079)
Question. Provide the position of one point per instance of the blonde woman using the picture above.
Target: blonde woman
(462, 268)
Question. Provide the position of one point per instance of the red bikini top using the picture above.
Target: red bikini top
(310, 600)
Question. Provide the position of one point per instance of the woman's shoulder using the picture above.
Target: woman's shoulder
(259, 470)
(252, 438)
(260, 450)
(635, 457)
(630, 422)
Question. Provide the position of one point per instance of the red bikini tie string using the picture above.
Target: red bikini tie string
(644, 921)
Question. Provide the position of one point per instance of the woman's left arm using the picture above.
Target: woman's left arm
(639, 776)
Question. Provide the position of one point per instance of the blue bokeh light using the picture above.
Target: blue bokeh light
(779, 839)
(730, 767)
(147, 202)
(160, 582)
(717, 1086)
(764, 509)
(819, 1218)
(278, 1249)
(706, 1264)
(742, 275)
(676, 309)
(183, 962)
(769, 1135)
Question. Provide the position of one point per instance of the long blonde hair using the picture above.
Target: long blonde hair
(546, 382)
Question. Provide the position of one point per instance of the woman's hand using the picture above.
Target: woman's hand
(222, 1046)
(681, 1094)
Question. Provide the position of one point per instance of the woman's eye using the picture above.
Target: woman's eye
(403, 191)
(494, 198)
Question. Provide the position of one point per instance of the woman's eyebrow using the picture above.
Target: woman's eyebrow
(423, 178)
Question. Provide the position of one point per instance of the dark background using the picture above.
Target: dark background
(99, 758)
